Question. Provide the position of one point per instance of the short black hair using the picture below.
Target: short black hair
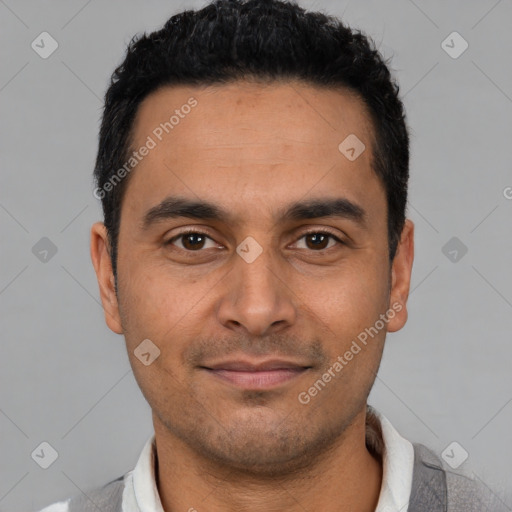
(268, 40)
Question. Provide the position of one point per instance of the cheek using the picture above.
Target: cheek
(147, 304)
(351, 299)
(157, 304)
(348, 312)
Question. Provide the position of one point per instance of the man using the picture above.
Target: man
(253, 168)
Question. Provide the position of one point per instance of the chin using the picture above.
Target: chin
(250, 447)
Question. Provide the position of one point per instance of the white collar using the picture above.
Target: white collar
(141, 494)
(398, 464)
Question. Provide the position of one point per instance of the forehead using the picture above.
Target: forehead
(254, 112)
(264, 141)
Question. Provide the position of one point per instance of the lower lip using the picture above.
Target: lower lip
(258, 380)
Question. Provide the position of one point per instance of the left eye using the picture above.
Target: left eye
(319, 240)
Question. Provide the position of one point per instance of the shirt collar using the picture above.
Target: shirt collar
(397, 455)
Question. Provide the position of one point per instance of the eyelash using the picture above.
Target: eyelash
(312, 232)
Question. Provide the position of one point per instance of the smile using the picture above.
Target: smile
(264, 375)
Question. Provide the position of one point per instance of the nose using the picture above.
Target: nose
(256, 298)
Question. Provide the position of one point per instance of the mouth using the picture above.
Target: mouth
(252, 375)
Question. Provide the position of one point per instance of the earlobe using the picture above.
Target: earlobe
(100, 256)
(401, 277)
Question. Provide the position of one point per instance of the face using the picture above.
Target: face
(253, 253)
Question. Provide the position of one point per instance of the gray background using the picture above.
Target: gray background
(65, 378)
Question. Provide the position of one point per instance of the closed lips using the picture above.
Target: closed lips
(243, 366)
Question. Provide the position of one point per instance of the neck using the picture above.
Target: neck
(346, 478)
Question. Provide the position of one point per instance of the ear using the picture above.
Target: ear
(401, 277)
(100, 255)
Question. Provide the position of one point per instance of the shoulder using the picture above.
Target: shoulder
(107, 498)
(458, 491)
(467, 494)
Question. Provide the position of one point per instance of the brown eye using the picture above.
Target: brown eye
(319, 240)
(193, 241)
(190, 241)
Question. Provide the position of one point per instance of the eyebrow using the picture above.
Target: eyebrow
(180, 207)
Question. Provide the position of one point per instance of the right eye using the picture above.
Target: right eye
(192, 241)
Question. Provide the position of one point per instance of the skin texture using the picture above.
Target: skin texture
(253, 149)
